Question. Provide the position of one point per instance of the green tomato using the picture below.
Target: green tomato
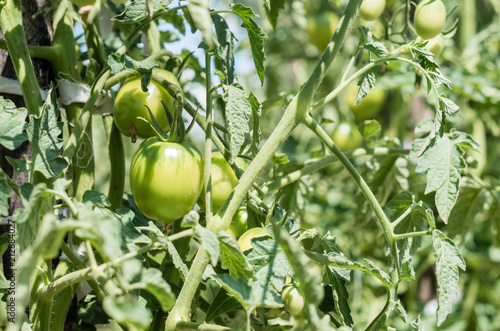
(131, 101)
(274, 313)
(369, 105)
(434, 45)
(370, 10)
(166, 179)
(347, 137)
(320, 28)
(293, 300)
(429, 19)
(223, 182)
(239, 222)
(245, 241)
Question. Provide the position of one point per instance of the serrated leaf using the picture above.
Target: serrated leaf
(12, 124)
(338, 283)
(401, 311)
(371, 45)
(152, 281)
(232, 257)
(369, 128)
(177, 260)
(366, 83)
(209, 242)
(465, 140)
(308, 276)
(224, 60)
(96, 198)
(470, 203)
(442, 162)
(417, 324)
(129, 311)
(448, 106)
(238, 114)
(200, 14)
(272, 10)
(43, 134)
(139, 9)
(222, 303)
(256, 36)
(118, 63)
(448, 260)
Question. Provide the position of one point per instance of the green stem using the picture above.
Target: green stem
(208, 140)
(295, 113)
(189, 326)
(117, 162)
(40, 52)
(412, 234)
(374, 324)
(325, 161)
(372, 200)
(62, 300)
(182, 234)
(11, 22)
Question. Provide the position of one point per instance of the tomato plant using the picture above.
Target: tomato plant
(320, 28)
(293, 300)
(370, 10)
(81, 3)
(166, 179)
(321, 227)
(429, 19)
(131, 101)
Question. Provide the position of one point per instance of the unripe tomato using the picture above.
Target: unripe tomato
(223, 182)
(370, 10)
(429, 18)
(245, 241)
(293, 300)
(166, 179)
(274, 313)
(239, 222)
(320, 28)
(369, 105)
(435, 45)
(347, 137)
(131, 100)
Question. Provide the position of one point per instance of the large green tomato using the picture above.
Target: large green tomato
(293, 300)
(131, 101)
(429, 19)
(320, 28)
(223, 182)
(239, 222)
(369, 105)
(370, 10)
(434, 45)
(347, 137)
(166, 179)
(245, 241)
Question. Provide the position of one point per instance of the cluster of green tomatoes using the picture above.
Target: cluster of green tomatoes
(429, 19)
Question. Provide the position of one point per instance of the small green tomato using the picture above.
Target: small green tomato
(293, 300)
(370, 10)
(429, 19)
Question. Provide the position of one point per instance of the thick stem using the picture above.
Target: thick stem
(11, 22)
(117, 160)
(208, 141)
(296, 111)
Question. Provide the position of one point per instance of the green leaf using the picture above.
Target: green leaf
(224, 60)
(238, 113)
(222, 303)
(417, 324)
(5, 194)
(153, 282)
(448, 106)
(308, 276)
(448, 260)
(177, 260)
(209, 242)
(43, 133)
(232, 257)
(200, 14)
(272, 10)
(401, 311)
(12, 124)
(256, 36)
(340, 294)
(367, 42)
(96, 198)
(256, 115)
(470, 204)
(118, 63)
(139, 9)
(129, 311)
(366, 83)
(369, 128)
(443, 163)
(28, 219)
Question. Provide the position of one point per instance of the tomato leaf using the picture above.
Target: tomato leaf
(152, 281)
(448, 261)
(256, 114)
(366, 83)
(339, 294)
(256, 36)
(118, 63)
(232, 257)
(139, 9)
(128, 310)
(272, 8)
(5, 194)
(12, 124)
(222, 303)
(200, 14)
(209, 242)
(238, 114)
(224, 54)
(44, 134)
